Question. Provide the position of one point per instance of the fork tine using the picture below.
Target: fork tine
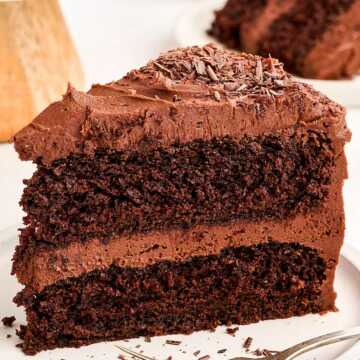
(133, 353)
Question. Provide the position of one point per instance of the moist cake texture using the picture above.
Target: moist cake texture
(202, 189)
(315, 39)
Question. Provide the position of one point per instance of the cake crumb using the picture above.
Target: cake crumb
(247, 343)
(232, 331)
(8, 321)
(206, 357)
(257, 352)
(173, 342)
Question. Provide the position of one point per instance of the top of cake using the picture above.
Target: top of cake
(185, 94)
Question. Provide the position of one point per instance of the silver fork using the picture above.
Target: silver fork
(288, 354)
(312, 344)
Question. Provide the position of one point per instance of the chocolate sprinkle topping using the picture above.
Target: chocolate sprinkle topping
(227, 72)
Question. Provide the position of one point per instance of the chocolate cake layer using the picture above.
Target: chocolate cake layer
(202, 182)
(38, 264)
(240, 285)
(316, 39)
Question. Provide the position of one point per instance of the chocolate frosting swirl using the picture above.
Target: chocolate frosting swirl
(186, 94)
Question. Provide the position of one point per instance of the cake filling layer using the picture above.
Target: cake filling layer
(296, 32)
(239, 285)
(202, 182)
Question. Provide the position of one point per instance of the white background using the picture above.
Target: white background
(114, 36)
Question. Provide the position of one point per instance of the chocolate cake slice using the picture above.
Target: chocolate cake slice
(202, 189)
(315, 39)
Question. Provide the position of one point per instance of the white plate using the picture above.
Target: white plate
(192, 27)
(271, 334)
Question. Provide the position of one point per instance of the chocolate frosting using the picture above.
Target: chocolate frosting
(186, 94)
(322, 229)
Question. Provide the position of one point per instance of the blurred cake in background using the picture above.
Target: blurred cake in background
(314, 39)
(37, 61)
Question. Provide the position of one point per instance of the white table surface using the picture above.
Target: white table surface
(120, 35)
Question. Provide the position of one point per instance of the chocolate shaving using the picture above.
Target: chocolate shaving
(279, 82)
(8, 321)
(173, 342)
(200, 67)
(211, 73)
(231, 86)
(163, 68)
(257, 352)
(232, 331)
(187, 66)
(241, 87)
(211, 65)
(247, 343)
(206, 357)
(275, 93)
(259, 74)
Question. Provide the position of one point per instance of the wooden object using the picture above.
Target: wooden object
(37, 60)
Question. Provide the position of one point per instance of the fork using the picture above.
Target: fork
(312, 344)
(288, 354)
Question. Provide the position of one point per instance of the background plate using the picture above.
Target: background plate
(196, 20)
(270, 334)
